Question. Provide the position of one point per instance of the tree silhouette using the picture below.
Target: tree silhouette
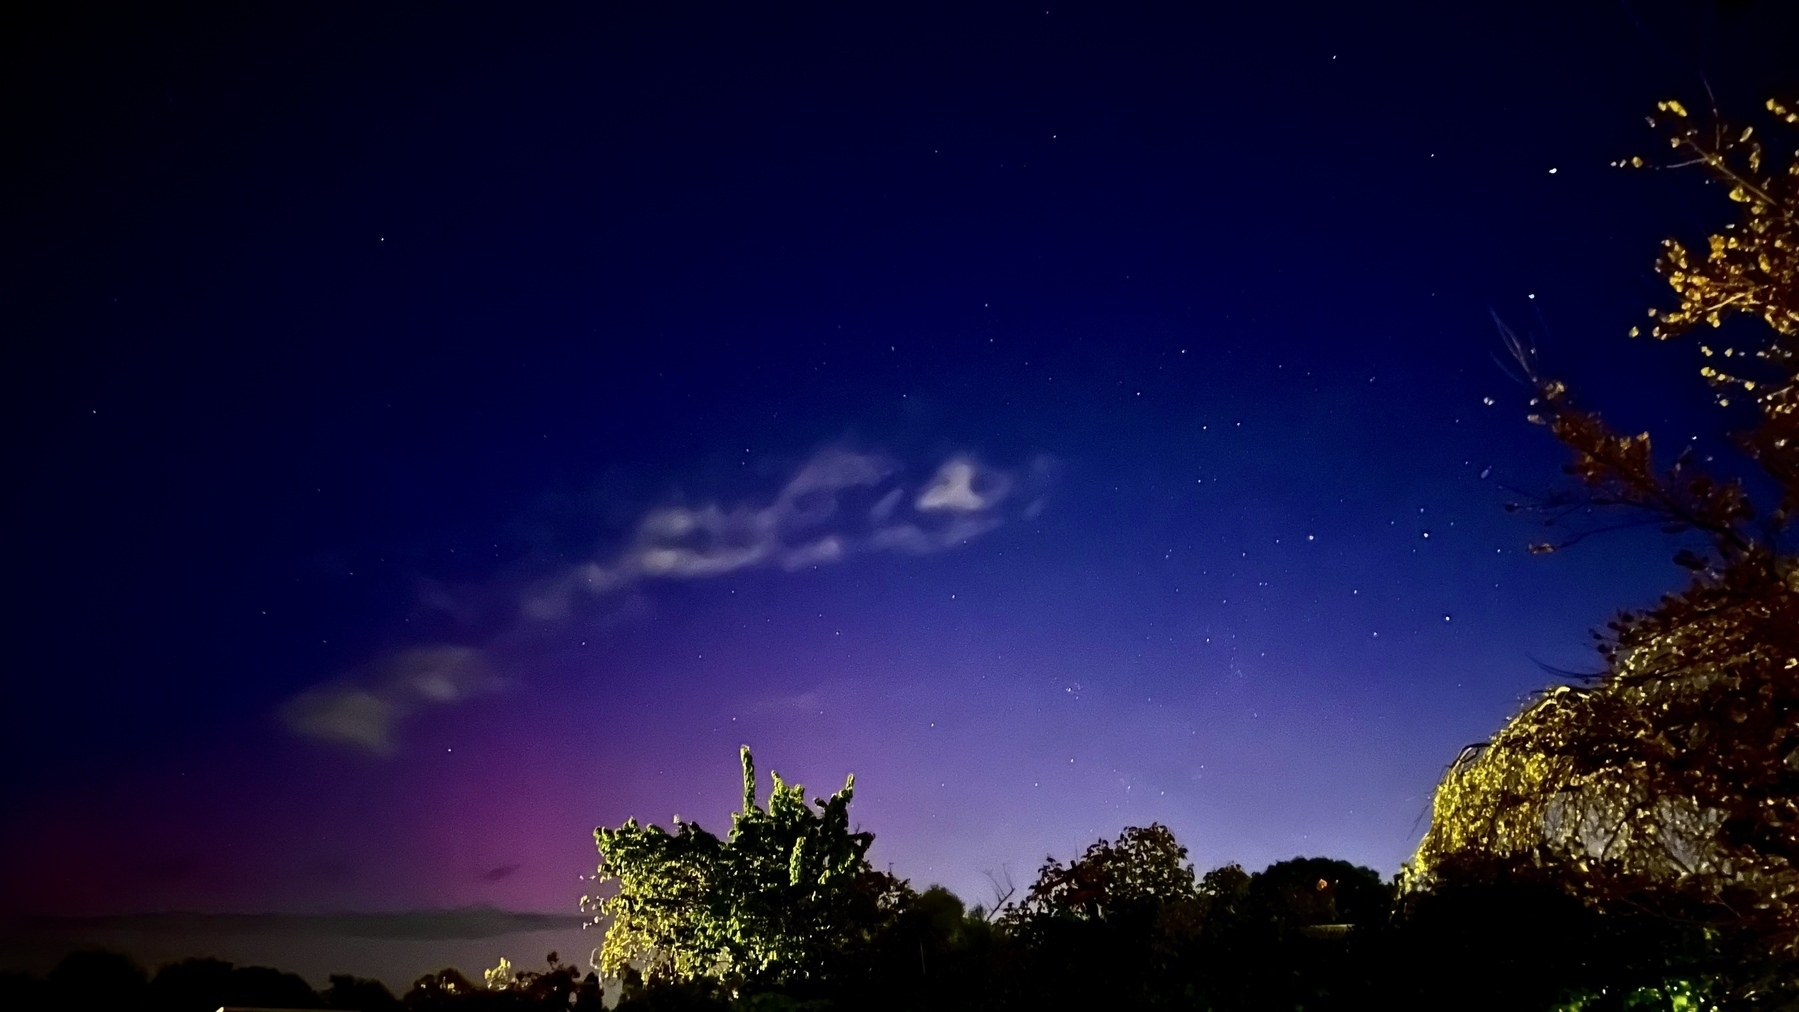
(446, 989)
(1145, 869)
(1113, 927)
(203, 985)
(357, 994)
(1317, 892)
(96, 980)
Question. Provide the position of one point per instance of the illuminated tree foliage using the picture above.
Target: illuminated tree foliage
(1669, 784)
(787, 897)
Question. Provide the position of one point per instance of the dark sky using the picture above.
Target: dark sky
(435, 431)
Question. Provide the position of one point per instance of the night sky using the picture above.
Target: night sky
(434, 432)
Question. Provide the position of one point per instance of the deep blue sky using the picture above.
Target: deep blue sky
(437, 431)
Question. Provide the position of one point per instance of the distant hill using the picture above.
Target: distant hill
(393, 947)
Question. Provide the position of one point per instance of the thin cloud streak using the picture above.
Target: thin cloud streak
(807, 524)
(839, 504)
(362, 712)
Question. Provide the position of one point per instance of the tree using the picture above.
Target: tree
(1225, 890)
(1302, 933)
(1113, 928)
(933, 954)
(559, 986)
(97, 979)
(21, 990)
(203, 985)
(443, 991)
(1317, 892)
(1668, 785)
(358, 994)
(1144, 870)
(785, 900)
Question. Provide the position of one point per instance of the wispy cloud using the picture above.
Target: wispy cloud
(809, 522)
(362, 710)
(962, 486)
(838, 504)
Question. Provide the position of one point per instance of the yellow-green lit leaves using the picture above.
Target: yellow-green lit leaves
(784, 896)
(1669, 782)
(1666, 784)
(1751, 267)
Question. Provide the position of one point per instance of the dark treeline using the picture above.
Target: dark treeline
(786, 911)
(1130, 925)
(102, 981)
(1127, 926)
(93, 980)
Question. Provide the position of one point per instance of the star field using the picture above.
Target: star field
(437, 438)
